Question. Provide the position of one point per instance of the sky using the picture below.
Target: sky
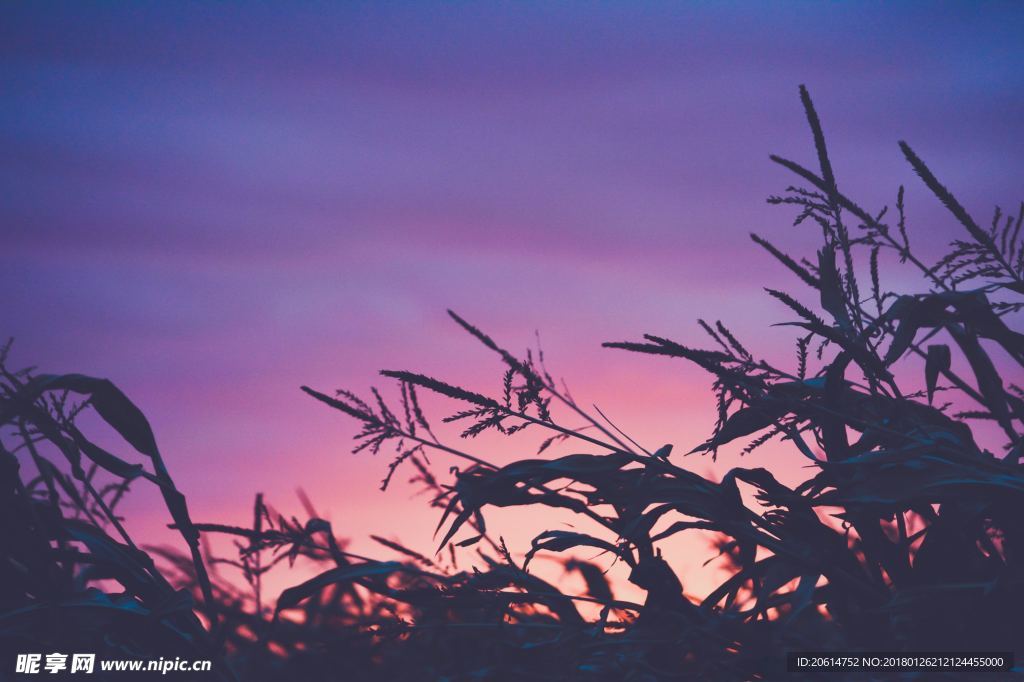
(214, 203)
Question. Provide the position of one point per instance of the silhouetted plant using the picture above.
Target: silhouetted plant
(57, 525)
(906, 536)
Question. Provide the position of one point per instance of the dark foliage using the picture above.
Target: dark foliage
(907, 535)
(63, 542)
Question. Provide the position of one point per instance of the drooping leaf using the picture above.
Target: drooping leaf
(989, 383)
(110, 403)
(341, 575)
(831, 288)
(744, 422)
(937, 362)
(561, 540)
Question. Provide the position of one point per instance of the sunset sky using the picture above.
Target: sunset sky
(212, 204)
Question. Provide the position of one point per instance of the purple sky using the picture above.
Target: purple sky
(212, 203)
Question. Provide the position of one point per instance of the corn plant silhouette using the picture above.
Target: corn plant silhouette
(907, 536)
